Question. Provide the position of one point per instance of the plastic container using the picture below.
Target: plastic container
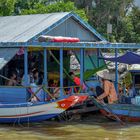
(133, 101)
(137, 100)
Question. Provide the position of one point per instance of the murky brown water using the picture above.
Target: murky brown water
(87, 129)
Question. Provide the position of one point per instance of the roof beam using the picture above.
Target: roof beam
(86, 45)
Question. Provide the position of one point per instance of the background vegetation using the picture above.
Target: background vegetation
(122, 14)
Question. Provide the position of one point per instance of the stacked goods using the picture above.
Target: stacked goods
(44, 38)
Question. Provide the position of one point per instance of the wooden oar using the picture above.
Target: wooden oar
(103, 104)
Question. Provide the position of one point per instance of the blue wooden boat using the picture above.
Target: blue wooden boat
(16, 102)
(125, 112)
(16, 109)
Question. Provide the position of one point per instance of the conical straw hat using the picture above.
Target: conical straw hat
(104, 74)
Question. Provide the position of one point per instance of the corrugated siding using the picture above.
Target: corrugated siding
(22, 28)
(71, 28)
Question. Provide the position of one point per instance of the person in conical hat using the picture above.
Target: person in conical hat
(108, 87)
(104, 74)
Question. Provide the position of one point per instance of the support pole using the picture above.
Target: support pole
(91, 60)
(116, 71)
(26, 66)
(98, 55)
(61, 72)
(81, 65)
(45, 67)
(84, 54)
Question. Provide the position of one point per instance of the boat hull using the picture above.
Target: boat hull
(125, 112)
(35, 112)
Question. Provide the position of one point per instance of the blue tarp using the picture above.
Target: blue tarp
(128, 58)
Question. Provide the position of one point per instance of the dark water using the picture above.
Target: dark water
(89, 128)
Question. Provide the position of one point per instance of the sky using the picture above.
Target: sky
(137, 2)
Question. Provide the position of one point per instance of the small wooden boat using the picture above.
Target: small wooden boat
(125, 112)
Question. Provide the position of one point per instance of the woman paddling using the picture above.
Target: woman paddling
(108, 91)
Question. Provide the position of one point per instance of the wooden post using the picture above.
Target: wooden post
(116, 71)
(61, 72)
(26, 66)
(81, 65)
(98, 55)
(45, 67)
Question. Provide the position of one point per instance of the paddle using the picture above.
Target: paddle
(103, 104)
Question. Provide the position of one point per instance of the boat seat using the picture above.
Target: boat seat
(13, 95)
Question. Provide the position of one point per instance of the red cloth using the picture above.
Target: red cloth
(77, 82)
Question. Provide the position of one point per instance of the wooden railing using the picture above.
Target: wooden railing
(55, 92)
(30, 92)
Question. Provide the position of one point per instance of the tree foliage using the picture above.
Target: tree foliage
(122, 14)
(61, 6)
(101, 12)
(128, 27)
(7, 7)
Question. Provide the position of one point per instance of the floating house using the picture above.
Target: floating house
(17, 32)
(20, 46)
(21, 30)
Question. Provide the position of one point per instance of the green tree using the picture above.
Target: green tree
(7, 7)
(61, 6)
(135, 20)
(129, 27)
(27, 4)
(101, 12)
(122, 14)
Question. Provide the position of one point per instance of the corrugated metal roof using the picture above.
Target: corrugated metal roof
(6, 57)
(23, 28)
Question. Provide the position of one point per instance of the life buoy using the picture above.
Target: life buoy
(44, 38)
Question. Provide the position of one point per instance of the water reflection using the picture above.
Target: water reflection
(89, 128)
